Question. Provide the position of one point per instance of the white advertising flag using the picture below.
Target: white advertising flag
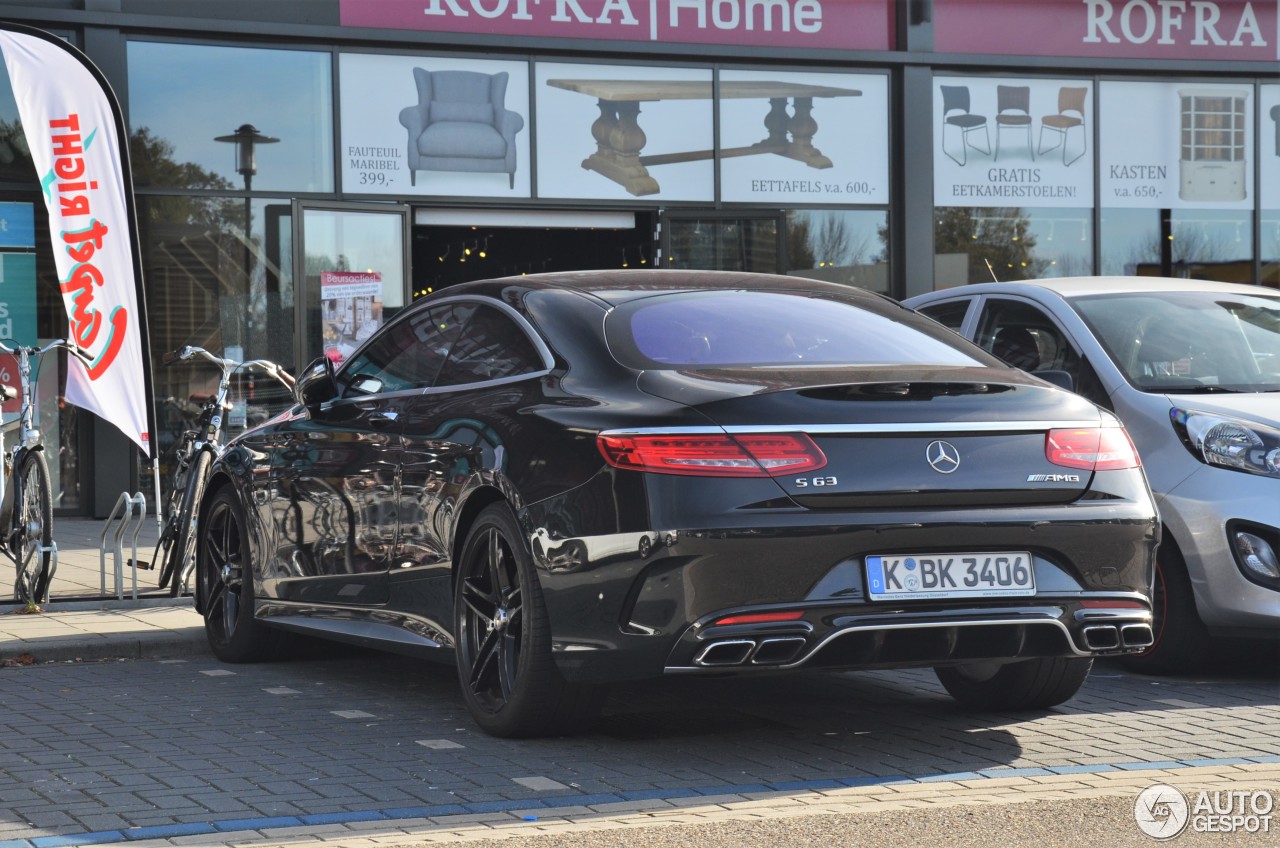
(75, 134)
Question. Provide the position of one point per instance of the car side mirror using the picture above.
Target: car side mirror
(1061, 379)
(316, 384)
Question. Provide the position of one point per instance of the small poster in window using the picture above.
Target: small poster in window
(351, 310)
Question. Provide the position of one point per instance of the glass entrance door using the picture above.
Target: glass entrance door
(353, 261)
(712, 242)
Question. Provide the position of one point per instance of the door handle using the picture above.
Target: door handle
(382, 419)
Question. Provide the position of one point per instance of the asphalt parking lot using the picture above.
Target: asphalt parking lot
(168, 750)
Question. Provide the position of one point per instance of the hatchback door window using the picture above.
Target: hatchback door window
(949, 314)
(1025, 337)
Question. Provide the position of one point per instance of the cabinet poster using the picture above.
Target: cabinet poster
(1013, 142)
(1176, 145)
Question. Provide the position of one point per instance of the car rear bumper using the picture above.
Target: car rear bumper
(650, 603)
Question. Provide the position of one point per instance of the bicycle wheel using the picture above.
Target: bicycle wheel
(181, 559)
(172, 511)
(35, 529)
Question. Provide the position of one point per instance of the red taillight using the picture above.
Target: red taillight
(1101, 604)
(760, 617)
(713, 455)
(1092, 448)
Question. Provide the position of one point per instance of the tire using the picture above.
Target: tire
(1023, 685)
(34, 513)
(225, 592)
(181, 557)
(509, 679)
(1182, 642)
(161, 560)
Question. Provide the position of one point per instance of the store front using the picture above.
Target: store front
(305, 168)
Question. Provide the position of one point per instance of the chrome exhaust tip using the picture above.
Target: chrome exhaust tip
(729, 652)
(778, 651)
(1102, 637)
(1137, 636)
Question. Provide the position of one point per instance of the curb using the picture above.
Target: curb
(177, 643)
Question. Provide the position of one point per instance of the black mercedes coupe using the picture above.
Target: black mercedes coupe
(564, 480)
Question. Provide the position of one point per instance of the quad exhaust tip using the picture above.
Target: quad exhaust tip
(1108, 637)
(771, 651)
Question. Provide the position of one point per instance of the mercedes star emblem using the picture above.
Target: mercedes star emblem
(942, 456)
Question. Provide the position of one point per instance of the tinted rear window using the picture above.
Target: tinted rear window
(729, 329)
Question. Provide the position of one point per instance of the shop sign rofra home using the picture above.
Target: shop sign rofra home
(74, 129)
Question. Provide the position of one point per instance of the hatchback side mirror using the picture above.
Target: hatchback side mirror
(316, 384)
(1061, 379)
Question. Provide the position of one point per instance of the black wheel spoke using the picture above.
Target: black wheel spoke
(486, 655)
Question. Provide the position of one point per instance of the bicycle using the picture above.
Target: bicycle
(26, 497)
(199, 446)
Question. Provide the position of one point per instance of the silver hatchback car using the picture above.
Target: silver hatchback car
(1192, 368)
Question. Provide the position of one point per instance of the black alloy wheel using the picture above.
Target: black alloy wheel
(224, 592)
(509, 679)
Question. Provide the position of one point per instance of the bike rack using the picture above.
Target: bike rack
(124, 515)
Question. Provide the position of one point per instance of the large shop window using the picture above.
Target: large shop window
(210, 285)
(1013, 178)
(222, 118)
(841, 246)
(975, 244)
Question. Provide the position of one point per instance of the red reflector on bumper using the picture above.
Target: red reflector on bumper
(1098, 604)
(761, 617)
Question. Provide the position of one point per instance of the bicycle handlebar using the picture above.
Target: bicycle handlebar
(230, 365)
(70, 346)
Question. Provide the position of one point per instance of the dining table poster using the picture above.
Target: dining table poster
(619, 132)
(802, 138)
(1013, 142)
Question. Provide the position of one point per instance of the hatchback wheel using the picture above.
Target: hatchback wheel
(1024, 685)
(509, 679)
(1181, 642)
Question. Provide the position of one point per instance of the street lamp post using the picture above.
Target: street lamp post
(246, 138)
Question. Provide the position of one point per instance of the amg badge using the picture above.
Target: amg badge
(1053, 478)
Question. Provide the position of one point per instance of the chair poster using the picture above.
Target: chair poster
(1182, 145)
(614, 132)
(430, 125)
(1013, 142)
(801, 138)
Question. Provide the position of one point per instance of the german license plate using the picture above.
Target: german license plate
(970, 575)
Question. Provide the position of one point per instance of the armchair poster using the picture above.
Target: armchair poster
(434, 126)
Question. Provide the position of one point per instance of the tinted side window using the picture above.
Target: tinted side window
(950, 314)
(407, 354)
(491, 346)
